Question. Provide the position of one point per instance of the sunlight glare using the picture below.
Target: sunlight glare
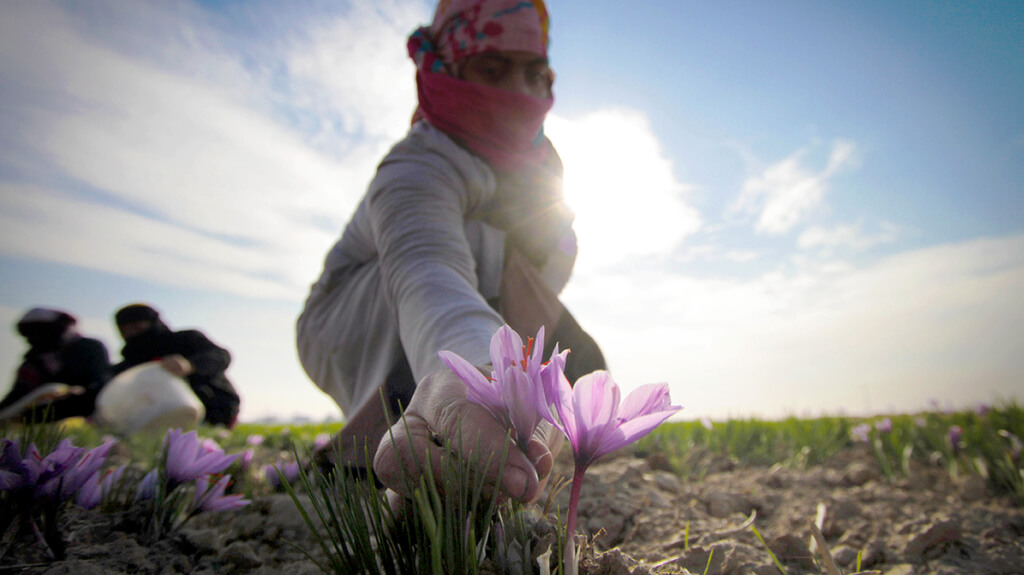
(628, 203)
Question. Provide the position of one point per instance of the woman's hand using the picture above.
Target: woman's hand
(438, 413)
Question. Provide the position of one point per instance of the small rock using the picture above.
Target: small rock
(935, 535)
(666, 481)
(656, 499)
(722, 504)
(901, 569)
(284, 514)
(875, 553)
(973, 488)
(241, 554)
(205, 541)
(613, 516)
(844, 555)
(858, 473)
(792, 550)
(615, 562)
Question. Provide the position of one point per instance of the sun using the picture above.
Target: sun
(619, 183)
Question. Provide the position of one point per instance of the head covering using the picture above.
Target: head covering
(465, 27)
(503, 127)
(45, 328)
(136, 312)
(45, 316)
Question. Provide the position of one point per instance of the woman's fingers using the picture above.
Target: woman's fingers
(438, 413)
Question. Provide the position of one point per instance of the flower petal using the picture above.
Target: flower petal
(596, 406)
(506, 348)
(536, 359)
(629, 431)
(645, 399)
(519, 394)
(479, 389)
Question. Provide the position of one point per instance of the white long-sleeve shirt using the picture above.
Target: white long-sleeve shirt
(412, 271)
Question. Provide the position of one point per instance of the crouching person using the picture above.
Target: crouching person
(187, 354)
(62, 372)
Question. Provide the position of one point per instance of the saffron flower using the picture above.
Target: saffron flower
(596, 423)
(884, 425)
(82, 470)
(55, 477)
(245, 459)
(955, 435)
(321, 441)
(514, 392)
(594, 420)
(189, 459)
(46, 473)
(14, 473)
(277, 473)
(861, 433)
(41, 484)
(147, 487)
(98, 486)
(212, 498)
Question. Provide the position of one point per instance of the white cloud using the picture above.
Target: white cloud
(357, 69)
(620, 183)
(185, 177)
(941, 322)
(787, 192)
(848, 236)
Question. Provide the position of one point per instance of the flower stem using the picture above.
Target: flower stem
(570, 566)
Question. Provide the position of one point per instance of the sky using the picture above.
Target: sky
(786, 208)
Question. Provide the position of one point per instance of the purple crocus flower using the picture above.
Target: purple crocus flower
(274, 472)
(212, 498)
(884, 425)
(254, 440)
(98, 486)
(46, 473)
(83, 469)
(861, 433)
(955, 434)
(245, 460)
(592, 418)
(188, 458)
(321, 440)
(57, 476)
(147, 487)
(514, 392)
(14, 473)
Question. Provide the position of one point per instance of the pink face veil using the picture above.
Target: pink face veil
(505, 128)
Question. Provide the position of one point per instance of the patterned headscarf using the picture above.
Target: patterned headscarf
(462, 28)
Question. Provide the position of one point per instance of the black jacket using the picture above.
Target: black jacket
(209, 361)
(82, 361)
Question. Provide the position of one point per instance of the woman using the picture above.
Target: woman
(463, 229)
(57, 354)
